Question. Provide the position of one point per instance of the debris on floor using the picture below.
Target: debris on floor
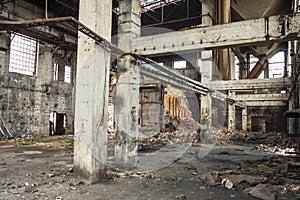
(261, 192)
(267, 175)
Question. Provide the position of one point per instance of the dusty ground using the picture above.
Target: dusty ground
(42, 169)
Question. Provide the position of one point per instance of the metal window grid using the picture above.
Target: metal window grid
(23, 54)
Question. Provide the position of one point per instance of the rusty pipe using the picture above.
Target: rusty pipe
(223, 55)
(46, 9)
(223, 12)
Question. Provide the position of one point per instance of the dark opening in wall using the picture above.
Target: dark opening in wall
(58, 123)
(258, 124)
(238, 118)
(62, 73)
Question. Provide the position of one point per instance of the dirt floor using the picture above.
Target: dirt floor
(41, 168)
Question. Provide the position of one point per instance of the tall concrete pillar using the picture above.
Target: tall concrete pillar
(205, 68)
(244, 119)
(206, 109)
(291, 121)
(127, 88)
(127, 108)
(91, 104)
(43, 81)
(231, 116)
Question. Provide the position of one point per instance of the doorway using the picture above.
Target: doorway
(58, 123)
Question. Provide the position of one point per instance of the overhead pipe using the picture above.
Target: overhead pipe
(46, 9)
(223, 57)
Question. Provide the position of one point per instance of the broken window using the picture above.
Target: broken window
(55, 72)
(180, 64)
(67, 74)
(23, 54)
(276, 65)
(62, 73)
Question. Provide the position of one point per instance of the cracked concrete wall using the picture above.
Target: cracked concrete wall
(27, 101)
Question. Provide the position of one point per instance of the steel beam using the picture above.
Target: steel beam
(166, 75)
(243, 33)
(260, 97)
(246, 84)
(265, 103)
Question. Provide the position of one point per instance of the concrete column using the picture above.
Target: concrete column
(43, 83)
(244, 119)
(127, 108)
(92, 84)
(206, 108)
(231, 116)
(127, 88)
(291, 121)
(205, 64)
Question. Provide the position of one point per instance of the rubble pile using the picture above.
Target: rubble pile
(224, 136)
(184, 132)
(271, 142)
(268, 178)
(174, 132)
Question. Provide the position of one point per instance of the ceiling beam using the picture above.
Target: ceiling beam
(261, 97)
(265, 103)
(243, 33)
(248, 84)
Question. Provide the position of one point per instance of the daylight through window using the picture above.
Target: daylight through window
(23, 51)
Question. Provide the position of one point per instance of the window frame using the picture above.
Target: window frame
(23, 62)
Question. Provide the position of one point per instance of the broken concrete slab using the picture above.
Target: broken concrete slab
(261, 192)
(208, 178)
(265, 169)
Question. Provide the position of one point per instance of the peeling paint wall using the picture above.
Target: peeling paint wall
(26, 101)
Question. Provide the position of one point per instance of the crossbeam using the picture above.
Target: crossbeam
(249, 84)
(165, 74)
(243, 33)
(261, 97)
(265, 103)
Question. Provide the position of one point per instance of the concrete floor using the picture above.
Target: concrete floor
(41, 169)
